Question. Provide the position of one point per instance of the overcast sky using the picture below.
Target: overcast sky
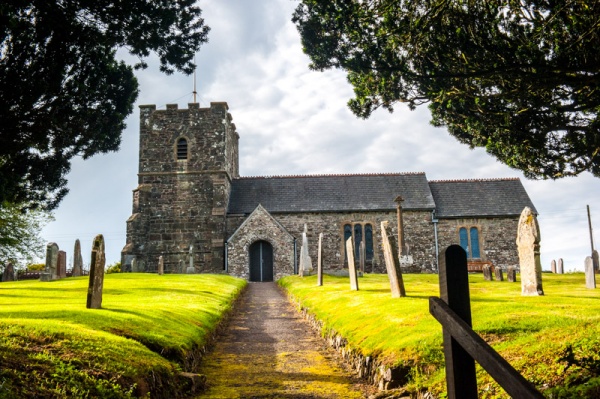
(295, 121)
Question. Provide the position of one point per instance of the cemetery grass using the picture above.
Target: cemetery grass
(553, 340)
(150, 328)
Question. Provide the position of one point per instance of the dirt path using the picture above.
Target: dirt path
(269, 351)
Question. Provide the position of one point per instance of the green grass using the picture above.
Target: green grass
(150, 327)
(554, 340)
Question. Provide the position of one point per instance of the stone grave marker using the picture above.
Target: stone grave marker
(181, 266)
(134, 265)
(392, 262)
(94, 295)
(553, 266)
(351, 265)
(320, 261)
(77, 260)
(305, 261)
(528, 243)
(362, 255)
(560, 269)
(596, 259)
(50, 272)
(61, 264)
(499, 276)
(590, 275)
(161, 266)
(487, 272)
(511, 274)
(191, 269)
(9, 272)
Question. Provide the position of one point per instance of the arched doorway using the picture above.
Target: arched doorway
(261, 261)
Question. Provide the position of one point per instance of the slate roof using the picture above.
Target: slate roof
(473, 198)
(330, 193)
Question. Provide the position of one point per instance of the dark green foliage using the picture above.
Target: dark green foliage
(63, 91)
(520, 78)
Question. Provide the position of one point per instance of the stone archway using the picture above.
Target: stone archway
(261, 261)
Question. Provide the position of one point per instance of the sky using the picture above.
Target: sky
(291, 121)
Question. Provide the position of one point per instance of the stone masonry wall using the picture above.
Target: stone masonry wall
(418, 231)
(182, 203)
(496, 238)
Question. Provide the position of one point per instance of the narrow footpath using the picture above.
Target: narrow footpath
(269, 351)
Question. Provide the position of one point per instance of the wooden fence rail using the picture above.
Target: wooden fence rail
(462, 346)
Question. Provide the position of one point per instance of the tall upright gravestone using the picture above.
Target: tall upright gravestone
(596, 259)
(305, 261)
(161, 265)
(320, 261)
(553, 266)
(528, 243)
(9, 272)
(50, 272)
(94, 295)
(61, 264)
(351, 265)
(590, 276)
(392, 262)
(77, 260)
(560, 269)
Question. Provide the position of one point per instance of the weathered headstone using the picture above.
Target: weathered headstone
(590, 276)
(560, 269)
(392, 263)
(528, 243)
(596, 259)
(161, 266)
(191, 269)
(94, 295)
(498, 274)
(351, 265)
(320, 261)
(77, 260)
(134, 265)
(9, 272)
(362, 254)
(181, 266)
(553, 266)
(61, 264)
(511, 274)
(305, 261)
(50, 272)
(487, 272)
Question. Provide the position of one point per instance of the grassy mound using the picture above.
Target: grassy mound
(553, 340)
(149, 329)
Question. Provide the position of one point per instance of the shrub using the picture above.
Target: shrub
(114, 268)
(36, 267)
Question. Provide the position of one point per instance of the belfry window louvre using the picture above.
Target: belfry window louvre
(182, 149)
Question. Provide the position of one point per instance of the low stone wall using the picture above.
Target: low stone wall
(367, 367)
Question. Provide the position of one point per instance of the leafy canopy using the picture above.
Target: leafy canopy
(65, 94)
(518, 77)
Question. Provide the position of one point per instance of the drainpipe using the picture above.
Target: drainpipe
(295, 261)
(435, 235)
(226, 260)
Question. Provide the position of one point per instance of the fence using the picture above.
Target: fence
(462, 346)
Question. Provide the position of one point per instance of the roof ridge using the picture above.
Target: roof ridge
(330, 175)
(475, 180)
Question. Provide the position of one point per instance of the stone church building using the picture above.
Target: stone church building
(194, 209)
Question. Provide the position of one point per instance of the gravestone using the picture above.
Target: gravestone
(511, 274)
(528, 243)
(553, 266)
(61, 264)
(320, 261)
(487, 272)
(161, 266)
(392, 264)
(305, 261)
(191, 269)
(9, 272)
(126, 265)
(590, 276)
(134, 265)
(498, 274)
(362, 257)
(351, 265)
(49, 272)
(180, 266)
(560, 269)
(596, 259)
(77, 260)
(94, 295)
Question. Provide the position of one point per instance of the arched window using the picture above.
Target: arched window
(182, 149)
(474, 235)
(357, 240)
(469, 241)
(347, 234)
(464, 240)
(361, 233)
(369, 242)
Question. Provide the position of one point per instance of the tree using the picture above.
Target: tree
(518, 77)
(63, 91)
(20, 230)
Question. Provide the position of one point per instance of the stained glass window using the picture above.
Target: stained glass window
(474, 243)
(369, 242)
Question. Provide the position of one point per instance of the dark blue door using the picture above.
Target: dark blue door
(261, 261)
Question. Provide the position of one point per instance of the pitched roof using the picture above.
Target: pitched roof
(473, 198)
(330, 193)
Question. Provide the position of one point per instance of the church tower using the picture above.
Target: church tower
(187, 160)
